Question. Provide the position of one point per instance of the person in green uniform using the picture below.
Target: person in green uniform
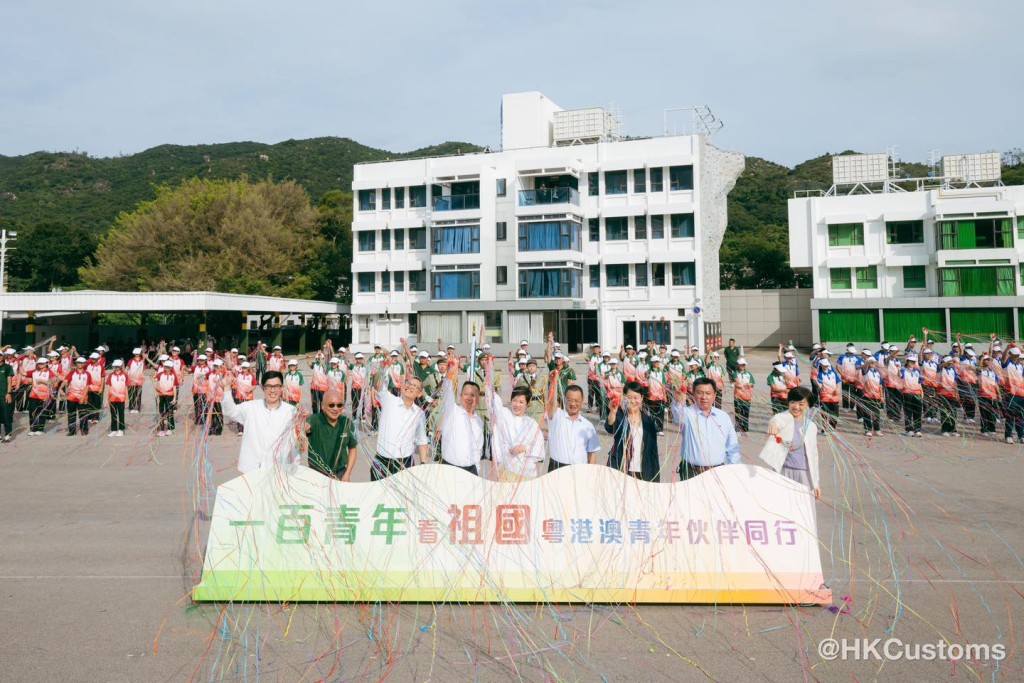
(261, 361)
(330, 439)
(732, 356)
(7, 402)
(535, 382)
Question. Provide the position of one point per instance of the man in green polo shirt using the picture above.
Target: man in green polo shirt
(6, 401)
(331, 441)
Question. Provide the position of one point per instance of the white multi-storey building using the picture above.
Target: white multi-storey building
(566, 229)
(892, 256)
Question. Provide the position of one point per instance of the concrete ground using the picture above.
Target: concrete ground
(101, 544)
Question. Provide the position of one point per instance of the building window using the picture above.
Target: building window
(913, 277)
(414, 323)
(550, 283)
(976, 233)
(592, 181)
(367, 282)
(493, 325)
(904, 232)
(680, 178)
(368, 241)
(502, 275)
(457, 285)
(657, 183)
(399, 197)
(867, 277)
(456, 239)
(615, 182)
(640, 227)
(640, 180)
(385, 240)
(367, 200)
(684, 274)
(657, 227)
(616, 229)
(1020, 227)
(399, 281)
(385, 199)
(617, 274)
(550, 235)
(682, 224)
(846, 235)
(998, 281)
(418, 197)
(839, 278)
(640, 274)
(399, 239)
(417, 238)
(385, 281)
(595, 276)
(594, 228)
(658, 274)
(502, 231)
(500, 186)
(417, 280)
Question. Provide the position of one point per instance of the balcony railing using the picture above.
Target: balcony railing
(457, 202)
(552, 195)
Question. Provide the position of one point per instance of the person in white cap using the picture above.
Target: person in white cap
(166, 381)
(317, 381)
(357, 376)
(293, 383)
(912, 384)
(179, 367)
(215, 396)
(76, 383)
(743, 395)
(335, 376)
(657, 395)
(200, 388)
(989, 396)
(269, 436)
(713, 370)
(967, 369)
(97, 375)
(790, 366)
(557, 362)
(830, 391)
(929, 365)
(873, 397)
(117, 396)
(276, 361)
(614, 383)
(777, 388)
(848, 366)
(693, 373)
(1013, 386)
(39, 396)
(395, 372)
(7, 387)
(948, 396)
(244, 385)
(136, 371)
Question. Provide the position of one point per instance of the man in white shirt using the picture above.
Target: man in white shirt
(462, 430)
(402, 427)
(269, 437)
(572, 440)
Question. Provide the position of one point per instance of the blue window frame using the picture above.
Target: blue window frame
(457, 285)
(682, 224)
(456, 239)
(550, 235)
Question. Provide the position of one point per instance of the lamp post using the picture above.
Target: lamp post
(4, 237)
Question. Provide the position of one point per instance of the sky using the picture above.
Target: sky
(790, 80)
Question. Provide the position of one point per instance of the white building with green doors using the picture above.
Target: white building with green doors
(567, 229)
(892, 255)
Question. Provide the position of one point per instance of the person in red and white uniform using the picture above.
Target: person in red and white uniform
(244, 385)
(166, 381)
(830, 391)
(317, 382)
(988, 394)
(77, 384)
(912, 384)
(97, 372)
(117, 396)
(179, 367)
(26, 366)
(200, 377)
(40, 390)
(214, 395)
(136, 371)
(293, 382)
(276, 361)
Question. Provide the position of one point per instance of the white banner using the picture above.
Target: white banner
(587, 533)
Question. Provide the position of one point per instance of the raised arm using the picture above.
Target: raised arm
(551, 405)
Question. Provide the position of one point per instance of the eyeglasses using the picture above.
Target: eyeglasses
(273, 386)
(334, 405)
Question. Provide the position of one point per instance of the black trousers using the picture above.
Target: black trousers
(893, 404)
(95, 405)
(78, 418)
(593, 393)
(718, 398)
(135, 398)
(849, 401)
(989, 409)
(948, 409)
(216, 418)
(742, 414)
(471, 469)
(968, 400)
(831, 411)
(166, 408)
(7, 416)
(318, 398)
(688, 471)
(779, 405)
(199, 408)
(382, 467)
(931, 403)
(872, 409)
(913, 409)
(117, 416)
(554, 465)
(1014, 417)
(37, 415)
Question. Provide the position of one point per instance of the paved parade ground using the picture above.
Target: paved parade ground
(101, 543)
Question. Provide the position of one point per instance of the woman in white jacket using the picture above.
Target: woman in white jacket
(792, 447)
(517, 442)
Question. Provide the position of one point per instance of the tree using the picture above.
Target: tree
(47, 256)
(217, 235)
(335, 227)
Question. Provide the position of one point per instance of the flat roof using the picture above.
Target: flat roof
(163, 302)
